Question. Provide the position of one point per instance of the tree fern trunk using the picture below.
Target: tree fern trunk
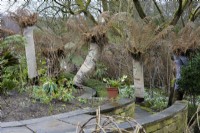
(138, 80)
(30, 52)
(89, 64)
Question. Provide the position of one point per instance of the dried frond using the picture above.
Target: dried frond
(139, 37)
(96, 35)
(5, 32)
(105, 17)
(77, 24)
(24, 17)
(51, 45)
(187, 40)
(165, 34)
(118, 24)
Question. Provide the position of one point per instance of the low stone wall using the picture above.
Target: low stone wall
(126, 111)
(122, 107)
(170, 120)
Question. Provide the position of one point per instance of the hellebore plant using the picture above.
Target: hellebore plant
(117, 83)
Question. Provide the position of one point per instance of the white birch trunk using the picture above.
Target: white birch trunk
(30, 52)
(89, 64)
(138, 79)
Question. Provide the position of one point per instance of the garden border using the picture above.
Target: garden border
(89, 93)
(172, 119)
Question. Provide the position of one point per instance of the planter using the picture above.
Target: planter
(112, 92)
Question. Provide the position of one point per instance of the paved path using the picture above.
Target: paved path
(57, 124)
(141, 113)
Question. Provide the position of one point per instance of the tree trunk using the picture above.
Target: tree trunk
(89, 64)
(175, 93)
(138, 80)
(180, 61)
(30, 52)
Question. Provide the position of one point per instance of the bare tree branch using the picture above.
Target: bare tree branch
(194, 14)
(161, 14)
(182, 5)
(139, 9)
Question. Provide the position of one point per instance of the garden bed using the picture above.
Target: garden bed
(20, 106)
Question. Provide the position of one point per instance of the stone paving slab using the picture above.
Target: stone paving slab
(72, 113)
(53, 126)
(140, 113)
(45, 118)
(35, 120)
(15, 130)
(81, 119)
(10, 124)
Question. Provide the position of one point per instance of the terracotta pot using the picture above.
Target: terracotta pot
(112, 92)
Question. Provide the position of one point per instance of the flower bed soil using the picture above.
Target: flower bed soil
(20, 106)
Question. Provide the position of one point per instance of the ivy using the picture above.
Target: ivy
(190, 77)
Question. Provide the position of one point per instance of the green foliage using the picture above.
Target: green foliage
(191, 111)
(7, 59)
(82, 100)
(9, 72)
(65, 75)
(41, 95)
(99, 86)
(101, 71)
(155, 100)
(8, 84)
(77, 60)
(23, 72)
(190, 77)
(51, 91)
(7, 79)
(115, 82)
(50, 87)
(14, 39)
(64, 94)
(42, 71)
(127, 91)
